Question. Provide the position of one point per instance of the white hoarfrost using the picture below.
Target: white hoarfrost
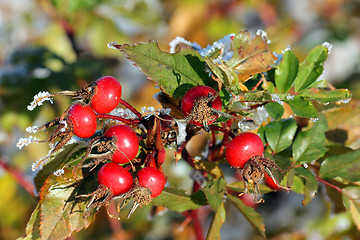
(23, 142)
(182, 132)
(39, 98)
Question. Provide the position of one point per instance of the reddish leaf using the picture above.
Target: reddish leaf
(250, 56)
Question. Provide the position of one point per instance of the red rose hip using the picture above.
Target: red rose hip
(200, 114)
(116, 178)
(107, 94)
(126, 141)
(83, 119)
(243, 147)
(153, 179)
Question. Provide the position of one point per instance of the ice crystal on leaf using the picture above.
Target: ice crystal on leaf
(329, 46)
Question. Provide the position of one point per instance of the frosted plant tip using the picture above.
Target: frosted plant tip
(112, 45)
(264, 35)
(288, 48)
(39, 164)
(32, 129)
(175, 42)
(59, 172)
(39, 98)
(329, 46)
(23, 142)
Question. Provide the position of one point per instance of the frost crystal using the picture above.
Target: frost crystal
(63, 129)
(165, 111)
(39, 99)
(288, 48)
(42, 161)
(179, 40)
(39, 164)
(329, 46)
(225, 47)
(124, 113)
(112, 45)
(32, 129)
(147, 109)
(264, 35)
(290, 97)
(261, 115)
(59, 172)
(182, 132)
(276, 98)
(23, 142)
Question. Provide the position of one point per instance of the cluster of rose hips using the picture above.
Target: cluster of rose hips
(122, 175)
(115, 148)
(245, 152)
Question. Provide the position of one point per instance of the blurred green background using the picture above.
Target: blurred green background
(52, 45)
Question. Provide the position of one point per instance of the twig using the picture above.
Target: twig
(19, 176)
(128, 105)
(328, 184)
(127, 121)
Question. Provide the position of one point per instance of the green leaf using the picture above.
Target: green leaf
(346, 166)
(351, 199)
(287, 71)
(173, 73)
(311, 68)
(280, 134)
(346, 118)
(179, 201)
(214, 192)
(210, 167)
(67, 154)
(309, 145)
(311, 184)
(32, 230)
(225, 75)
(250, 214)
(275, 110)
(61, 211)
(257, 96)
(217, 222)
(302, 107)
(326, 95)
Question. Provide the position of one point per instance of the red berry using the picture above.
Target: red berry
(153, 179)
(83, 119)
(243, 147)
(107, 94)
(116, 178)
(270, 182)
(191, 96)
(127, 143)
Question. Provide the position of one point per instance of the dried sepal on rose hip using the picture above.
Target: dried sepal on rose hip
(200, 105)
(150, 183)
(114, 180)
(103, 95)
(245, 152)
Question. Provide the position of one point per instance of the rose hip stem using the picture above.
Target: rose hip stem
(124, 120)
(126, 104)
(220, 129)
